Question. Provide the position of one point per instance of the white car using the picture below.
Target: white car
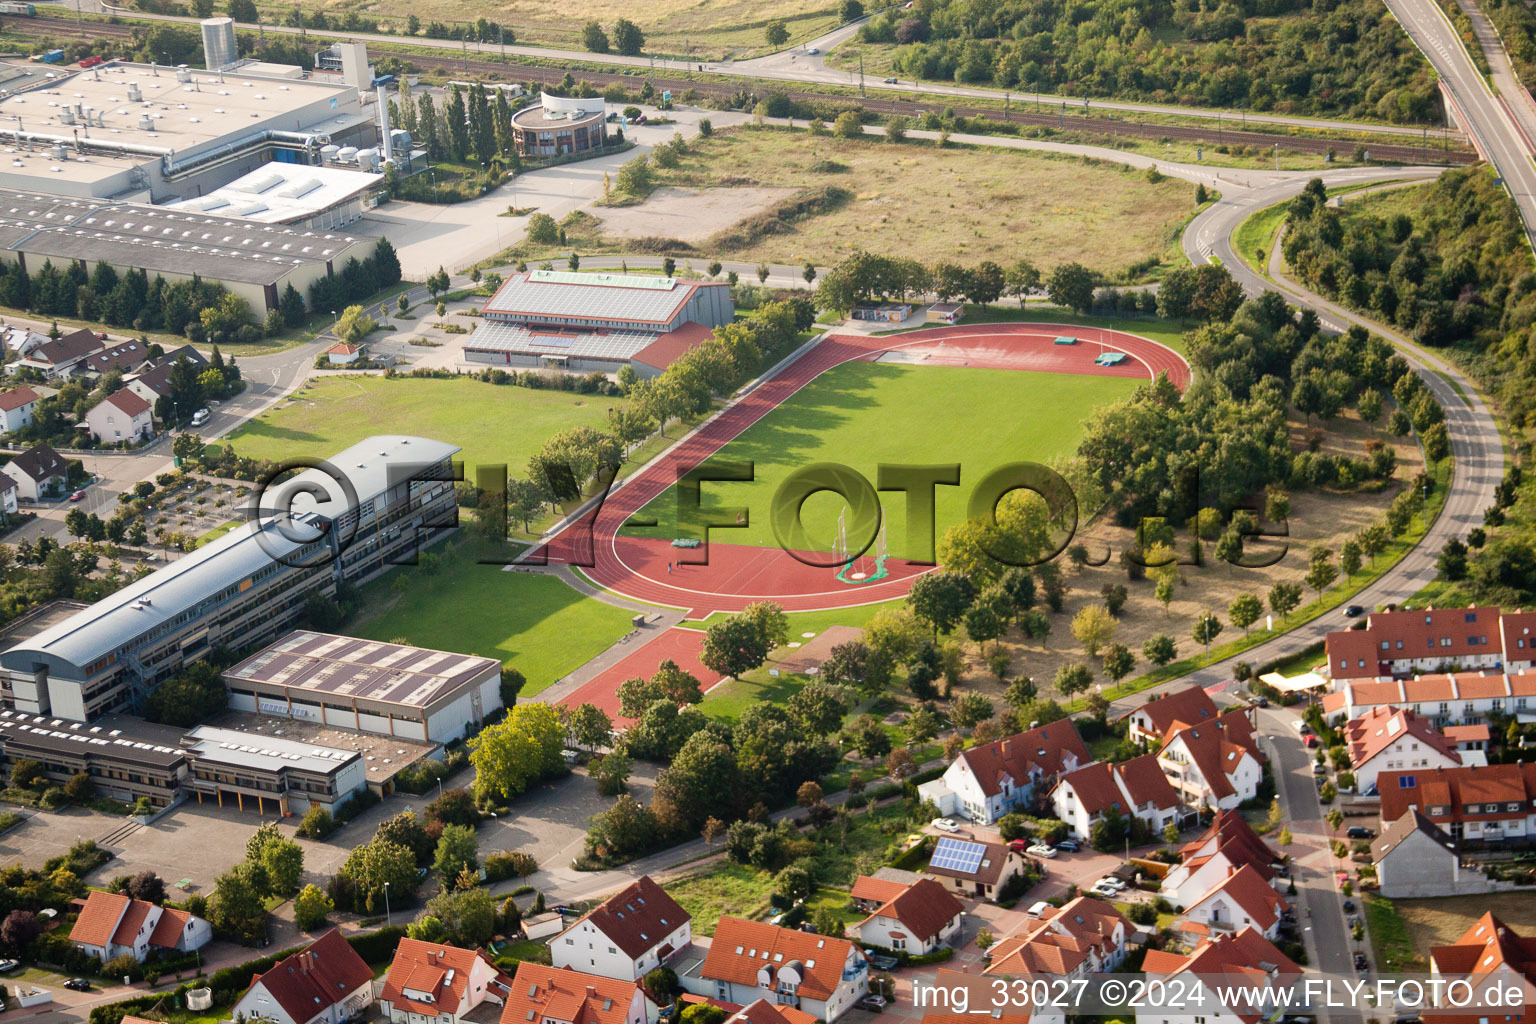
(1039, 908)
(200, 417)
(1104, 892)
(1042, 850)
(1110, 882)
(946, 824)
(813, 51)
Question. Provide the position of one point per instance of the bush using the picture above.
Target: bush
(509, 864)
(316, 824)
(126, 965)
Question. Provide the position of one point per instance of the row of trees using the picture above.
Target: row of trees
(626, 38)
(472, 124)
(1343, 57)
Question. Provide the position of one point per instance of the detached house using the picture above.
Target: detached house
(973, 868)
(39, 472)
(630, 934)
(1488, 954)
(17, 407)
(1229, 844)
(1387, 739)
(918, 919)
(432, 983)
(1244, 899)
(111, 925)
(1415, 858)
(65, 355)
(1216, 764)
(552, 995)
(121, 416)
(1246, 963)
(986, 782)
(1134, 789)
(750, 960)
(324, 983)
(1086, 936)
(1154, 721)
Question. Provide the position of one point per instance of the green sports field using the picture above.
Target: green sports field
(493, 424)
(863, 414)
(536, 624)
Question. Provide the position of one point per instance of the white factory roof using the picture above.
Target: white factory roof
(557, 294)
(278, 193)
(264, 753)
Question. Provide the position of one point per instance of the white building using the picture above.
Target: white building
(1136, 788)
(1244, 899)
(750, 960)
(1228, 845)
(1416, 859)
(987, 781)
(111, 925)
(1386, 739)
(39, 472)
(1086, 936)
(553, 995)
(17, 407)
(920, 919)
(1244, 963)
(630, 934)
(433, 983)
(324, 983)
(1155, 720)
(1216, 764)
(121, 416)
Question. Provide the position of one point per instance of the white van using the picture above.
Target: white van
(200, 417)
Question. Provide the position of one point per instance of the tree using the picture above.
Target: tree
(373, 865)
(818, 707)
(1020, 692)
(1349, 557)
(147, 886)
(1452, 560)
(1284, 597)
(282, 862)
(984, 621)
(594, 38)
(1244, 611)
(900, 764)
(1094, 627)
(468, 916)
(1321, 572)
(1073, 678)
(1071, 285)
(1277, 505)
(971, 709)
(611, 772)
(590, 726)
(1207, 627)
(734, 646)
(18, 930)
(941, 599)
(895, 128)
(627, 38)
(848, 125)
(237, 907)
(1118, 662)
(311, 907)
(521, 748)
(26, 773)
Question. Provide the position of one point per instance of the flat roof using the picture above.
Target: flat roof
(526, 118)
(208, 106)
(265, 753)
(383, 756)
(345, 666)
(277, 193)
(112, 735)
(555, 294)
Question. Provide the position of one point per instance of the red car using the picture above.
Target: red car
(1309, 739)
(77, 496)
(1018, 845)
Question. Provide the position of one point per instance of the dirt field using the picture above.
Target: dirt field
(1441, 922)
(690, 214)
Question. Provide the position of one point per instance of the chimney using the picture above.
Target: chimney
(591, 990)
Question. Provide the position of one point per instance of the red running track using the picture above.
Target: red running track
(681, 645)
(737, 575)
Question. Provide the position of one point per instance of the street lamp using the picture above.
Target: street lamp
(386, 905)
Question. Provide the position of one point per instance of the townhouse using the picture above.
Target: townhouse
(433, 983)
(987, 781)
(1413, 642)
(1086, 936)
(1243, 899)
(111, 925)
(553, 995)
(1216, 764)
(1461, 698)
(918, 919)
(1485, 803)
(749, 960)
(1134, 789)
(1389, 739)
(631, 933)
(1229, 844)
(1245, 962)
(326, 982)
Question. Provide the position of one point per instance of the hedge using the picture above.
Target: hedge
(905, 959)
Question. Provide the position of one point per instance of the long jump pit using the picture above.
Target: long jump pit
(724, 577)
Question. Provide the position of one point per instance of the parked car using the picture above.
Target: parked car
(1104, 892)
(1319, 769)
(1349, 906)
(200, 417)
(78, 984)
(1042, 850)
(77, 496)
(9, 965)
(883, 963)
(1360, 962)
(1069, 845)
(872, 1002)
(1309, 739)
(946, 824)
(1354, 611)
(1039, 908)
(1360, 832)
(1261, 702)
(1112, 882)
(1018, 845)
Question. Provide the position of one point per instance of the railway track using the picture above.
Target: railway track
(1198, 134)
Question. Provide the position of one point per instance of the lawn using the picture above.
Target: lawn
(1395, 947)
(724, 888)
(961, 204)
(864, 414)
(492, 424)
(534, 623)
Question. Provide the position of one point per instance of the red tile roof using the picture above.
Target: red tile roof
(540, 993)
(1485, 947)
(1095, 789)
(1217, 748)
(1249, 890)
(876, 890)
(1191, 706)
(1045, 750)
(989, 871)
(1243, 958)
(130, 403)
(1145, 781)
(431, 967)
(317, 976)
(1230, 834)
(923, 909)
(1357, 653)
(1384, 725)
(764, 1012)
(1454, 788)
(1518, 632)
(637, 917)
(97, 922)
(1062, 941)
(169, 928)
(1466, 733)
(740, 948)
(16, 398)
(342, 348)
(132, 921)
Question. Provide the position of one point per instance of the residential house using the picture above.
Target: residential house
(764, 1011)
(919, 919)
(20, 340)
(974, 868)
(1485, 803)
(1471, 742)
(64, 355)
(1488, 954)
(326, 982)
(17, 407)
(118, 355)
(433, 983)
(1463, 698)
(152, 381)
(1155, 720)
(1415, 858)
(981, 989)
(1228, 844)
(871, 892)
(1086, 936)
(1216, 764)
(1387, 739)
(1405, 643)
(8, 502)
(111, 925)
(1244, 963)
(1244, 899)
(121, 416)
(628, 935)
(1136, 788)
(1517, 640)
(749, 960)
(39, 472)
(987, 781)
(553, 995)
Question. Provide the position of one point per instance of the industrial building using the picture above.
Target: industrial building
(584, 322)
(560, 125)
(368, 686)
(145, 133)
(316, 198)
(245, 588)
(255, 261)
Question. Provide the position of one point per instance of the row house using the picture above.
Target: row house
(1433, 640)
(1086, 936)
(1244, 899)
(1486, 803)
(987, 781)
(1135, 789)
(1462, 698)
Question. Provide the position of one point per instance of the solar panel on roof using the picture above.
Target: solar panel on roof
(957, 855)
